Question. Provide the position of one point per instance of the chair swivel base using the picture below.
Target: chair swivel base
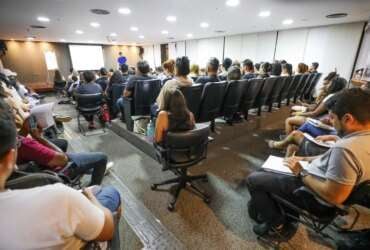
(184, 181)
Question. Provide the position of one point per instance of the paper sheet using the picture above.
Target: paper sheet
(326, 144)
(275, 164)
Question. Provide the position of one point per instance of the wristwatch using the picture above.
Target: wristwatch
(303, 173)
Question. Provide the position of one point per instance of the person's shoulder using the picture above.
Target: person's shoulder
(163, 114)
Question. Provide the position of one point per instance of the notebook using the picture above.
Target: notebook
(275, 164)
(326, 144)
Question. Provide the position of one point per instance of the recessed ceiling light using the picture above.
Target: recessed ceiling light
(133, 28)
(43, 19)
(113, 34)
(164, 32)
(141, 36)
(337, 15)
(62, 40)
(264, 13)
(232, 3)
(288, 21)
(204, 25)
(171, 19)
(95, 24)
(80, 32)
(124, 11)
(189, 35)
(30, 38)
(90, 41)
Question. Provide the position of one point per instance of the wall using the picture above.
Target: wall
(27, 59)
(334, 47)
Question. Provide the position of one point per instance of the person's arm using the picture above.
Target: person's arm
(161, 126)
(108, 228)
(320, 109)
(325, 138)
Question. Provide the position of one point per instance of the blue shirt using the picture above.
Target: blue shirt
(89, 88)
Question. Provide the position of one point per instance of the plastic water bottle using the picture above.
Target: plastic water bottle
(150, 131)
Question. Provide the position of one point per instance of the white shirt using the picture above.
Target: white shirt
(48, 217)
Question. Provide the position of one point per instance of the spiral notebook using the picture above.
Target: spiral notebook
(275, 164)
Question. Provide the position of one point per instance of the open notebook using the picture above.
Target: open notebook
(326, 144)
(275, 164)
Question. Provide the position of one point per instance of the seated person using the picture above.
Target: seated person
(299, 118)
(286, 69)
(174, 116)
(313, 68)
(233, 74)
(226, 64)
(75, 83)
(264, 70)
(51, 155)
(275, 69)
(68, 218)
(194, 71)
(181, 79)
(168, 69)
(339, 170)
(212, 69)
(115, 79)
(141, 74)
(103, 79)
(248, 70)
(89, 87)
(124, 71)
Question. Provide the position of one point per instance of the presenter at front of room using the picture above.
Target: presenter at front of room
(121, 59)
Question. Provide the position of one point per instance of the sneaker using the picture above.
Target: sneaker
(62, 118)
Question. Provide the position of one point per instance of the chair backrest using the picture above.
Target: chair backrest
(89, 102)
(278, 89)
(288, 80)
(188, 147)
(211, 101)
(233, 95)
(294, 85)
(146, 92)
(360, 195)
(314, 82)
(251, 93)
(309, 80)
(193, 95)
(301, 85)
(117, 91)
(58, 85)
(266, 91)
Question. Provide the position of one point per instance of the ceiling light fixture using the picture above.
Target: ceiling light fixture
(232, 3)
(189, 35)
(80, 32)
(164, 32)
(113, 34)
(124, 11)
(288, 21)
(141, 36)
(204, 25)
(43, 19)
(171, 19)
(90, 41)
(95, 24)
(133, 28)
(264, 13)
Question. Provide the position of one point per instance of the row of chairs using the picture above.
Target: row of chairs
(212, 100)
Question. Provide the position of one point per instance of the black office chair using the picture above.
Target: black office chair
(145, 94)
(88, 105)
(193, 95)
(231, 101)
(250, 95)
(308, 95)
(285, 91)
(59, 88)
(266, 93)
(211, 101)
(116, 93)
(180, 151)
(293, 88)
(300, 87)
(277, 92)
(318, 222)
(22, 180)
(194, 78)
(306, 85)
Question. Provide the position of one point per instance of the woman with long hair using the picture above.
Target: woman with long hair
(174, 116)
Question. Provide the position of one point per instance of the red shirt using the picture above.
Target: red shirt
(32, 150)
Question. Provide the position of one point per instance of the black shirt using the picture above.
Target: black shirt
(131, 82)
(206, 79)
(103, 82)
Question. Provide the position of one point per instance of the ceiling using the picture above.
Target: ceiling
(149, 16)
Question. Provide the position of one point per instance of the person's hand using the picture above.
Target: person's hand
(293, 164)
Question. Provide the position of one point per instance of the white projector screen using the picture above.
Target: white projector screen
(86, 57)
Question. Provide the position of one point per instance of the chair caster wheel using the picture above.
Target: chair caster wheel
(153, 187)
(207, 200)
(171, 207)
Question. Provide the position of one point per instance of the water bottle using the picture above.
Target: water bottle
(150, 131)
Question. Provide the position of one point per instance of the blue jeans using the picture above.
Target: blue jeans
(93, 163)
(120, 106)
